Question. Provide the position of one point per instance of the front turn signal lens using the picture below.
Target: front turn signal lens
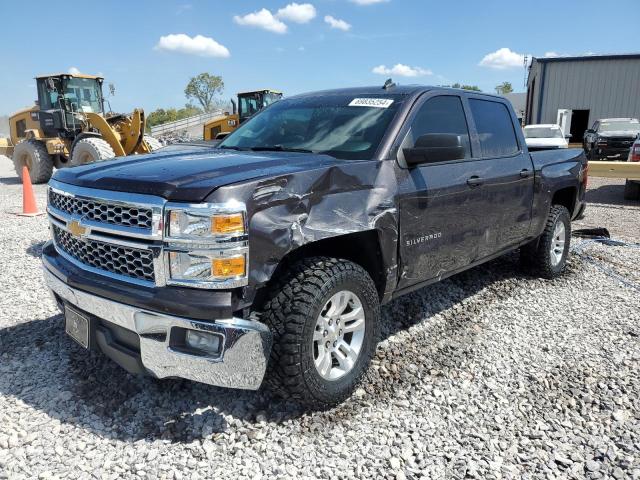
(228, 267)
(227, 224)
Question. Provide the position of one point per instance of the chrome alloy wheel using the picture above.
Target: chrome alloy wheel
(338, 335)
(557, 244)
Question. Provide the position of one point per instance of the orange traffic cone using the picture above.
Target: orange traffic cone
(29, 206)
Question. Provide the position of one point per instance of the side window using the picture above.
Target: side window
(495, 128)
(442, 114)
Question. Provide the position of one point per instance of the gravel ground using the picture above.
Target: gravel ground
(490, 374)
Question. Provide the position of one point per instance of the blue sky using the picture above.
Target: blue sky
(299, 49)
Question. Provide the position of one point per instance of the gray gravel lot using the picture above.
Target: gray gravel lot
(490, 374)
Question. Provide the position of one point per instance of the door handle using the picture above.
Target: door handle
(525, 173)
(475, 181)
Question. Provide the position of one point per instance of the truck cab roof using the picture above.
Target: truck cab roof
(408, 90)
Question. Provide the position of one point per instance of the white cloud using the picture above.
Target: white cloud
(402, 70)
(502, 59)
(337, 23)
(261, 19)
(297, 12)
(368, 2)
(74, 70)
(198, 45)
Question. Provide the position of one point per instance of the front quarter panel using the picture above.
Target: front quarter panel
(286, 212)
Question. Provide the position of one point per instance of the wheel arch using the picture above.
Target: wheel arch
(363, 248)
(567, 197)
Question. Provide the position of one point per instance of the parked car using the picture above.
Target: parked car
(632, 186)
(268, 256)
(610, 138)
(545, 137)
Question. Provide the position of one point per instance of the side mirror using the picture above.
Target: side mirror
(435, 147)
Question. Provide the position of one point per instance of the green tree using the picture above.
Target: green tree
(160, 116)
(474, 88)
(504, 88)
(203, 88)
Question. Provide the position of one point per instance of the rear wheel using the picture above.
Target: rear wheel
(153, 143)
(90, 149)
(33, 154)
(325, 317)
(547, 255)
(632, 190)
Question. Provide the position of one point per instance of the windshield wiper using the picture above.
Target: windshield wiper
(231, 147)
(279, 148)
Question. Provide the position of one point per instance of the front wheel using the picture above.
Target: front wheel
(153, 143)
(546, 256)
(325, 318)
(89, 150)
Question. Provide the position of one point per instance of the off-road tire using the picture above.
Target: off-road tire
(536, 256)
(154, 143)
(632, 190)
(291, 310)
(89, 150)
(33, 154)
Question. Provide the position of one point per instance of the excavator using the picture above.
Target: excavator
(249, 103)
(68, 126)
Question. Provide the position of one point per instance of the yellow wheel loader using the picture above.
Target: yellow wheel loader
(68, 126)
(249, 103)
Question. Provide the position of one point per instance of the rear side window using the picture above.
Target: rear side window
(442, 114)
(495, 128)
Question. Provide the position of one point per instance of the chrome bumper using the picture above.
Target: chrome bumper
(241, 364)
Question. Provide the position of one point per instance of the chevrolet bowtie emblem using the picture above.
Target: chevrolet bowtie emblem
(76, 229)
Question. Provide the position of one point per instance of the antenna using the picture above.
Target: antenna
(526, 70)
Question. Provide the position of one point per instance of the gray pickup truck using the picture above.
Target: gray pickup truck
(266, 258)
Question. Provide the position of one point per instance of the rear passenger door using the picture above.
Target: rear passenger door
(506, 175)
(439, 210)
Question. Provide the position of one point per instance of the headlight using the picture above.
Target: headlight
(206, 245)
(202, 223)
(206, 267)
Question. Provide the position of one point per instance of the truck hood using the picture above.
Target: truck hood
(546, 142)
(188, 173)
(619, 134)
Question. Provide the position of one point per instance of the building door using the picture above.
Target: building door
(579, 123)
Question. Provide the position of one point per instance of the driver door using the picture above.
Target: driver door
(439, 204)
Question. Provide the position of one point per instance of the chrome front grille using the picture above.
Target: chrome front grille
(103, 212)
(121, 235)
(115, 259)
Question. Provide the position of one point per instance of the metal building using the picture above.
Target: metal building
(589, 88)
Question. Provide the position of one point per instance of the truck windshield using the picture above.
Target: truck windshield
(542, 132)
(344, 126)
(84, 94)
(621, 126)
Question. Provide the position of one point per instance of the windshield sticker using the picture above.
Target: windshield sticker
(371, 102)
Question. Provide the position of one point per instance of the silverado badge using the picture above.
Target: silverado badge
(76, 229)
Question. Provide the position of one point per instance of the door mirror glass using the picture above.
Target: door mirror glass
(435, 147)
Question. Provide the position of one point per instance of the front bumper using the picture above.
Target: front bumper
(613, 153)
(242, 360)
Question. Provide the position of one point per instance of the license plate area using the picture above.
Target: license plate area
(76, 325)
